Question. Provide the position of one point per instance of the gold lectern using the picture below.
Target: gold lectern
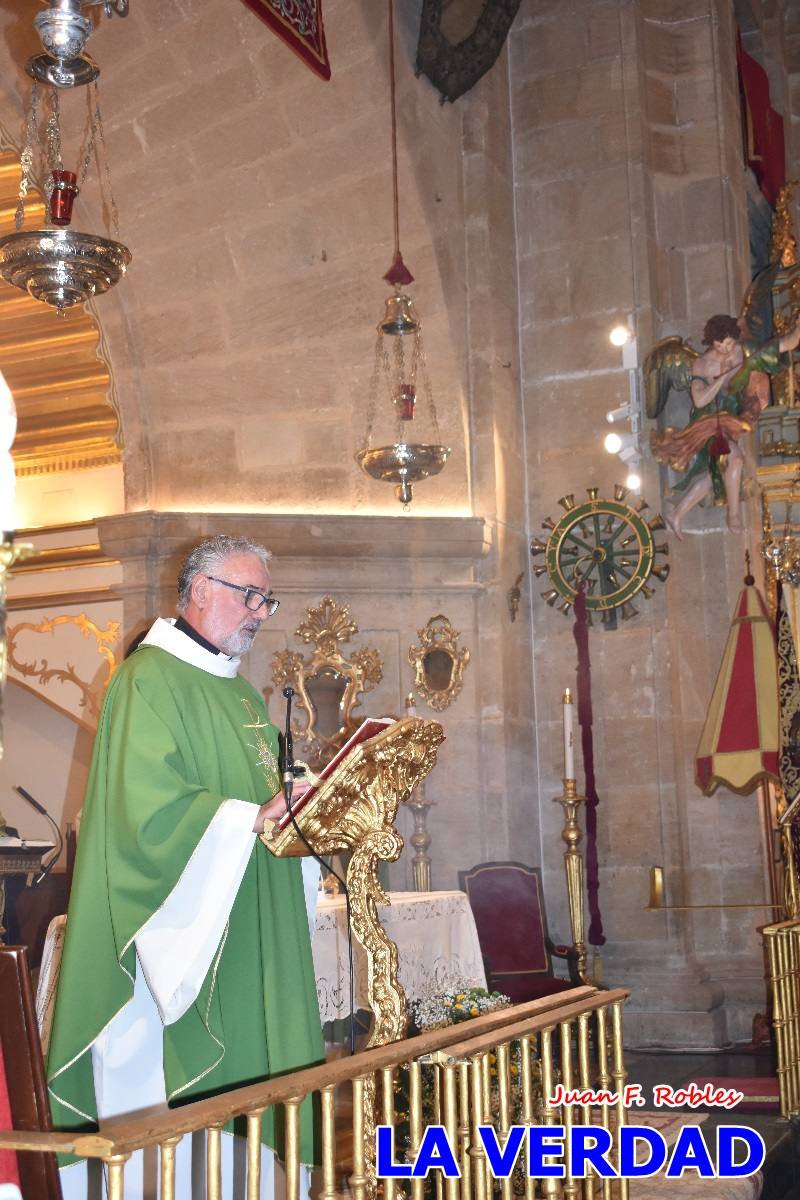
(355, 809)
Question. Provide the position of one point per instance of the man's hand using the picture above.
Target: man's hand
(276, 807)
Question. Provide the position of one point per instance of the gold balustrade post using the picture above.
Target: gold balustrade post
(503, 1065)
(478, 1166)
(584, 1074)
(167, 1167)
(770, 940)
(254, 1154)
(115, 1166)
(450, 1115)
(565, 1037)
(291, 1109)
(358, 1180)
(603, 1081)
(550, 1186)
(415, 1122)
(387, 1118)
(793, 994)
(214, 1162)
(328, 1190)
(527, 1114)
(620, 1077)
(464, 1156)
(785, 985)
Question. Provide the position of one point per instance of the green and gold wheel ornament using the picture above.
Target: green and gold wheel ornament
(607, 547)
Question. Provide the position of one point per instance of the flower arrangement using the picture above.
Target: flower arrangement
(459, 1002)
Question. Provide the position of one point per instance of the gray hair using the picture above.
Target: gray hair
(209, 556)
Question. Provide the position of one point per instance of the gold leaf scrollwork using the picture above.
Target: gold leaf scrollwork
(90, 693)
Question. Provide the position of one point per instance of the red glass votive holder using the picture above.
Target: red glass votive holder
(407, 401)
(65, 189)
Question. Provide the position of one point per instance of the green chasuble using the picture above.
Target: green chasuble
(174, 743)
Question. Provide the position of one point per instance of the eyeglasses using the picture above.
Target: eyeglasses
(253, 598)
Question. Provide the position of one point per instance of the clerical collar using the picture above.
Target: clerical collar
(166, 636)
(183, 626)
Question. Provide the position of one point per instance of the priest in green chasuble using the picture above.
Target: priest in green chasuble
(187, 964)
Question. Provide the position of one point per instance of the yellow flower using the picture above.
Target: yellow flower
(473, 1012)
(514, 1069)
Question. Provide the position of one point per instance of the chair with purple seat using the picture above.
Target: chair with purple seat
(506, 900)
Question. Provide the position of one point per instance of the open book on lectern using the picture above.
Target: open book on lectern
(366, 730)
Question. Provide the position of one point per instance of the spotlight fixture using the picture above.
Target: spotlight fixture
(625, 445)
(619, 335)
(633, 481)
(619, 414)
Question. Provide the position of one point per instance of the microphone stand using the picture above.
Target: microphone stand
(288, 787)
(288, 751)
(40, 808)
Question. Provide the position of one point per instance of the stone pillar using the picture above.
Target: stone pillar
(499, 481)
(630, 203)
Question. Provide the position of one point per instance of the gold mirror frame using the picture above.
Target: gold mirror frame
(327, 625)
(438, 636)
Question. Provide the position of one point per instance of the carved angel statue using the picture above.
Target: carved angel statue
(728, 389)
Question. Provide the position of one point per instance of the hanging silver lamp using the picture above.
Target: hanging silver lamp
(62, 267)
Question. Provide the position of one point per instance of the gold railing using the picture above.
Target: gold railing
(782, 941)
(497, 1069)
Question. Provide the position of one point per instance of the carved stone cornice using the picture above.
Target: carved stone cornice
(312, 536)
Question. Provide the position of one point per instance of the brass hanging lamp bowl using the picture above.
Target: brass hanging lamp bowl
(400, 317)
(403, 464)
(62, 267)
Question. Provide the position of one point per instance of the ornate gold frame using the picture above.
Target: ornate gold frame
(439, 634)
(327, 625)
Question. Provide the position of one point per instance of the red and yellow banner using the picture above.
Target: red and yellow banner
(740, 740)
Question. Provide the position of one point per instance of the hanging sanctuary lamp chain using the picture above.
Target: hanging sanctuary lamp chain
(58, 265)
(406, 461)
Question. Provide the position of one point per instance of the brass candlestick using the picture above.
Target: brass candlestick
(420, 838)
(571, 834)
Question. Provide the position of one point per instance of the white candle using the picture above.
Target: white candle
(569, 753)
(8, 431)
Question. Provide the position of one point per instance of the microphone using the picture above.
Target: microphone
(40, 808)
(288, 750)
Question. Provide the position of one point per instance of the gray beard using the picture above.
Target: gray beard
(238, 643)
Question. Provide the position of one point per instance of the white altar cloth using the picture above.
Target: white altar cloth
(436, 940)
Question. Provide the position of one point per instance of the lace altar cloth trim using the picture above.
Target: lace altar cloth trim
(436, 940)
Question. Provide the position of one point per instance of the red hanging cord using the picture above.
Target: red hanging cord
(398, 274)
